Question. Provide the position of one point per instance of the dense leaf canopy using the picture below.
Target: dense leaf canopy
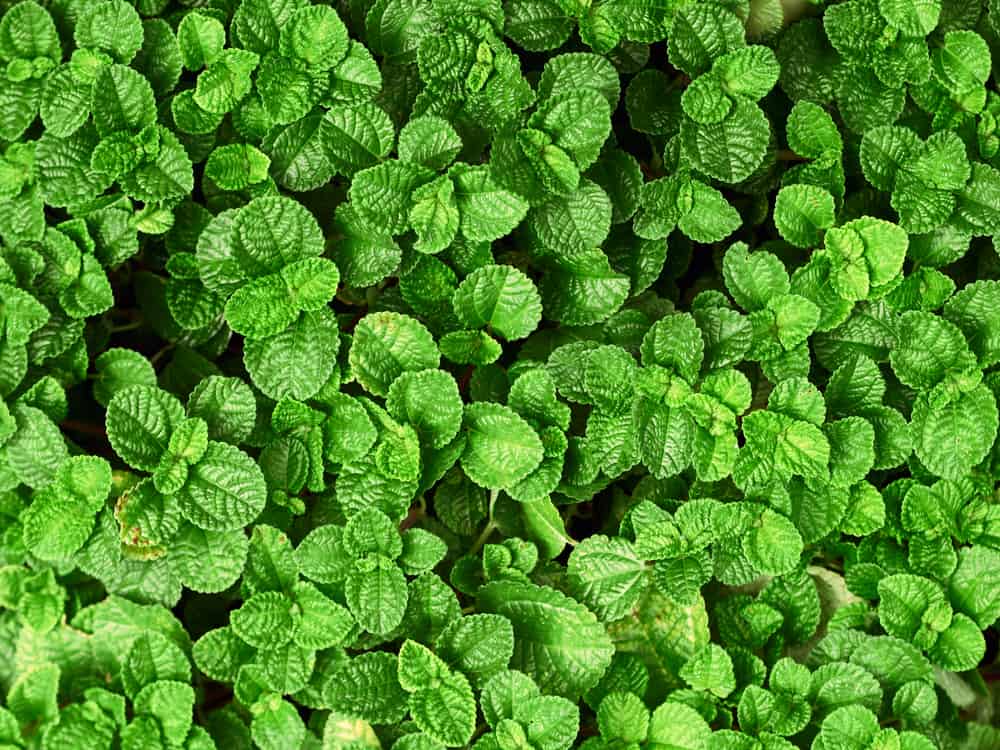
(501, 374)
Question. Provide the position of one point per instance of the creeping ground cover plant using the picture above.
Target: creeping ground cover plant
(499, 374)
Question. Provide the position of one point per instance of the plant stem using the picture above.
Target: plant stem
(416, 514)
(488, 529)
(160, 354)
(127, 327)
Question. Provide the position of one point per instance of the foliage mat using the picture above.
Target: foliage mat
(517, 375)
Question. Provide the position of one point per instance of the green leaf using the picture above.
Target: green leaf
(316, 36)
(700, 35)
(537, 25)
(607, 575)
(356, 137)
(382, 194)
(711, 218)
(885, 151)
(928, 349)
(952, 438)
(123, 99)
(566, 651)
(64, 105)
(676, 724)
(434, 215)
(976, 203)
(422, 551)
(63, 168)
(578, 121)
(441, 701)
(487, 211)
(61, 516)
(342, 732)
(681, 578)
(753, 278)
(972, 310)
(32, 696)
(276, 723)
(705, 100)
(582, 288)
(916, 703)
(665, 440)
(501, 448)
(288, 89)
(201, 39)
(349, 433)
(960, 647)
(321, 555)
(551, 722)
(261, 308)
(367, 686)
(470, 347)
(237, 166)
(257, 23)
(971, 588)
(150, 658)
(311, 282)
(298, 161)
(912, 608)
(376, 594)
(802, 213)
(271, 232)
(674, 342)
(140, 421)
(500, 297)
(479, 645)
(773, 544)
(710, 669)
(208, 561)
(543, 525)
(227, 405)
(852, 450)
(225, 490)
(113, 27)
(27, 32)
(118, 369)
(429, 141)
(264, 620)
(865, 253)
(662, 203)
(429, 401)
(750, 71)
(79, 725)
(159, 58)
(911, 17)
(420, 668)
(387, 344)
(171, 704)
(286, 364)
(224, 83)
(623, 716)
(962, 62)
(169, 176)
(319, 621)
(503, 693)
(729, 150)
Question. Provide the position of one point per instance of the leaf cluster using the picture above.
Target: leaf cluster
(501, 374)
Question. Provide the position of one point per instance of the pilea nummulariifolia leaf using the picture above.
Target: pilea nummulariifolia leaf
(504, 374)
